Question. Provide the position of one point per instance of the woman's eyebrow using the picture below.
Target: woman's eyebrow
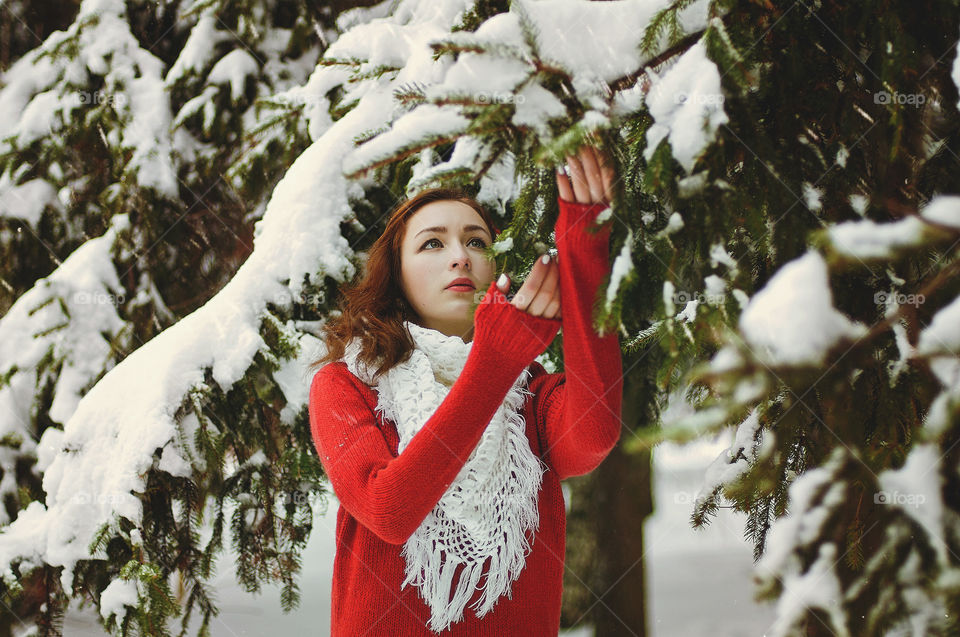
(444, 229)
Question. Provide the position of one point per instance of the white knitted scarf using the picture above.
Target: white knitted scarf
(485, 513)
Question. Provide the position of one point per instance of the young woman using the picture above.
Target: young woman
(444, 441)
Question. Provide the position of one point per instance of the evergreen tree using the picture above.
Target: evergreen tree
(785, 259)
(139, 147)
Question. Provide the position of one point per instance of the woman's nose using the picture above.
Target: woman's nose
(460, 256)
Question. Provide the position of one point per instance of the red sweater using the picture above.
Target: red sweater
(572, 423)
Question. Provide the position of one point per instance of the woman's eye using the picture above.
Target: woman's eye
(482, 243)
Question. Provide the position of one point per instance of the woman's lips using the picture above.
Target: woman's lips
(460, 288)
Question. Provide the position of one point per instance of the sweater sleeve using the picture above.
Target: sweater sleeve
(579, 411)
(390, 495)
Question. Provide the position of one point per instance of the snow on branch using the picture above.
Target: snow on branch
(426, 126)
(27, 201)
(940, 341)
(49, 88)
(98, 465)
(507, 72)
(605, 43)
(59, 333)
(814, 499)
(686, 103)
(938, 221)
(792, 321)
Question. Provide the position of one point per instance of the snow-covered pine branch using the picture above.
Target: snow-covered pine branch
(219, 344)
(724, 142)
(526, 64)
(59, 337)
(524, 86)
(96, 83)
(789, 333)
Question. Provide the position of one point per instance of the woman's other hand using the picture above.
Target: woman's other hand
(590, 181)
(540, 293)
(590, 177)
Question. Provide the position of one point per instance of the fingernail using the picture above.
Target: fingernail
(502, 281)
(545, 259)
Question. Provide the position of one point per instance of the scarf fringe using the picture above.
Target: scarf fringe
(483, 517)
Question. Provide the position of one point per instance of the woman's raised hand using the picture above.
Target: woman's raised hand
(590, 177)
(540, 293)
(590, 181)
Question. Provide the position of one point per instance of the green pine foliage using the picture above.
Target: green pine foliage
(835, 113)
(830, 119)
(172, 251)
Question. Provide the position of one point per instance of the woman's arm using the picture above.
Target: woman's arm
(392, 496)
(580, 415)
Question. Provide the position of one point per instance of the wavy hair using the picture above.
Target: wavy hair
(374, 307)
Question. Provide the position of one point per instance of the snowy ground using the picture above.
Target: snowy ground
(699, 580)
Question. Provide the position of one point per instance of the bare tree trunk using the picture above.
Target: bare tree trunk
(604, 578)
(622, 501)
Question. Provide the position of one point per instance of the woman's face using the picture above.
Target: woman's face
(444, 241)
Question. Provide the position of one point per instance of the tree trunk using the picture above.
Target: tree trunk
(622, 499)
(622, 502)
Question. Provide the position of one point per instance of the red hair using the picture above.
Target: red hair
(374, 308)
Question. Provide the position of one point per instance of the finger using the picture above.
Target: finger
(563, 186)
(579, 180)
(591, 168)
(609, 173)
(531, 285)
(503, 283)
(547, 292)
(553, 310)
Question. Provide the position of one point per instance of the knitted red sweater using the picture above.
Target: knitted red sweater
(573, 421)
